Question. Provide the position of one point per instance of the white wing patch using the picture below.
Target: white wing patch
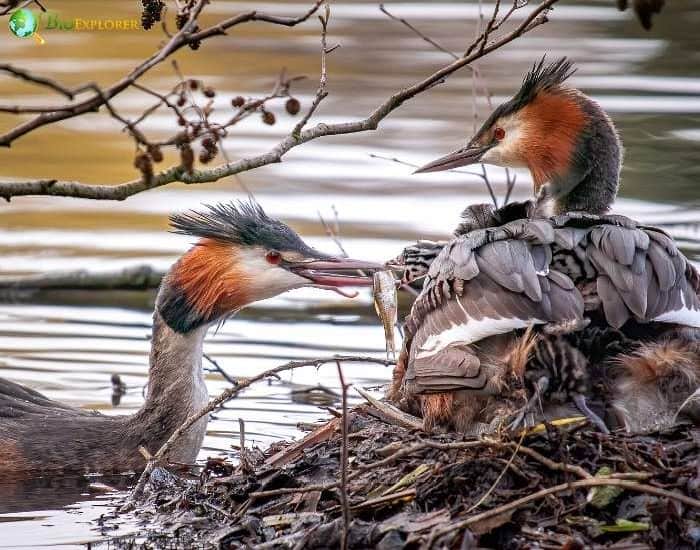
(470, 331)
(687, 316)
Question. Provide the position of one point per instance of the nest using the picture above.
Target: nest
(557, 487)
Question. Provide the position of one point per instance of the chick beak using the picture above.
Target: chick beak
(330, 273)
(470, 154)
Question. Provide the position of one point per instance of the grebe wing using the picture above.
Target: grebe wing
(489, 282)
(17, 400)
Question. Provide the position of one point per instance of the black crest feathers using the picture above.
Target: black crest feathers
(543, 78)
(243, 223)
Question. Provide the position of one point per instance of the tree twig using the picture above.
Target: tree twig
(344, 461)
(177, 173)
(390, 414)
(321, 92)
(425, 37)
(500, 476)
(245, 464)
(333, 232)
(40, 80)
(228, 394)
(226, 376)
(182, 38)
(582, 483)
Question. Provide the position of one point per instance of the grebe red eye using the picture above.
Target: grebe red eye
(273, 257)
(499, 133)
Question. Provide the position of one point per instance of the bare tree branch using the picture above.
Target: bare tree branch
(41, 81)
(121, 191)
(321, 92)
(9, 5)
(184, 37)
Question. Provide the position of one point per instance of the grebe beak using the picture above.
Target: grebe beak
(470, 154)
(332, 271)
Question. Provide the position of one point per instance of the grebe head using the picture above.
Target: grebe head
(562, 136)
(243, 256)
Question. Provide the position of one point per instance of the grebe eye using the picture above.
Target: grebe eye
(273, 257)
(499, 133)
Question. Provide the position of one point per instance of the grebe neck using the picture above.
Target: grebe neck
(176, 389)
(592, 181)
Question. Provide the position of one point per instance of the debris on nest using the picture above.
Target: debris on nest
(561, 487)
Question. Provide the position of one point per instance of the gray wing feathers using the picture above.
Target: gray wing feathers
(495, 280)
(641, 275)
(511, 265)
(569, 237)
(615, 310)
(454, 368)
(441, 356)
(662, 266)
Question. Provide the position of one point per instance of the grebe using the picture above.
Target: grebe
(558, 263)
(242, 256)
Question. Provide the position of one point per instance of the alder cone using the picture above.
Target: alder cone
(156, 153)
(269, 118)
(144, 163)
(187, 157)
(292, 106)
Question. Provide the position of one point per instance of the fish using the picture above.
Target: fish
(386, 305)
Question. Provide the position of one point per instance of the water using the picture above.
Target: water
(68, 344)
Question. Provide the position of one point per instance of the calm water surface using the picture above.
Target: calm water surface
(67, 345)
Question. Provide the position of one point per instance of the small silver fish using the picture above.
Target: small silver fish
(386, 304)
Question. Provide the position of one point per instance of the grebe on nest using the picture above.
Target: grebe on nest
(587, 282)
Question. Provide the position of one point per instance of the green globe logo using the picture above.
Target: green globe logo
(23, 23)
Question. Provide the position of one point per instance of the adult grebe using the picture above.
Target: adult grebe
(242, 256)
(559, 263)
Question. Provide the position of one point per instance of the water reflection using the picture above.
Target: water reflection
(69, 344)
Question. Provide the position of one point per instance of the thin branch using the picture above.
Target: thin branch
(39, 80)
(483, 176)
(552, 465)
(490, 25)
(487, 182)
(138, 277)
(510, 184)
(137, 134)
(344, 462)
(401, 495)
(220, 370)
(411, 165)
(583, 483)
(507, 466)
(390, 414)
(228, 394)
(417, 32)
(178, 174)
(10, 5)
(183, 38)
(333, 232)
(245, 464)
(321, 92)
